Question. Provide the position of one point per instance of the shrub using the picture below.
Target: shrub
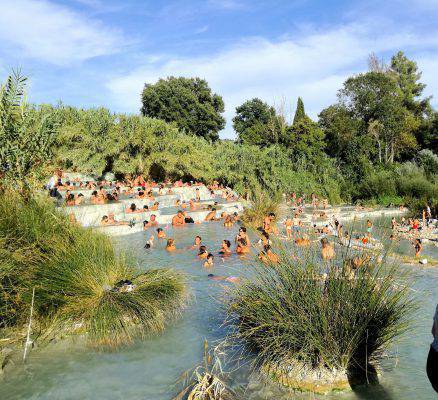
(80, 283)
(313, 332)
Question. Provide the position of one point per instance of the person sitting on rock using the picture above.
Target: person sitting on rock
(178, 219)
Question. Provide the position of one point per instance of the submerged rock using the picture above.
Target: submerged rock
(298, 376)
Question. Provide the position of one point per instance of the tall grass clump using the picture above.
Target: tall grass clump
(262, 205)
(81, 284)
(207, 381)
(313, 327)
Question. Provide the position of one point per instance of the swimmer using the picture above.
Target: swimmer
(232, 279)
(104, 220)
(151, 223)
(327, 251)
(161, 234)
(133, 209)
(178, 219)
(229, 222)
(226, 248)
(203, 253)
(211, 216)
(197, 242)
(243, 235)
(268, 256)
(242, 246)
(170, 245)
(269, 224)
(209, 261)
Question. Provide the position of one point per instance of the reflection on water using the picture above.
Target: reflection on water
(148, 370)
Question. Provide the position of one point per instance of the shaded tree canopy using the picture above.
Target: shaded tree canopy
(189, 102)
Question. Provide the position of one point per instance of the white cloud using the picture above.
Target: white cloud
(312, 66)
(53, 33)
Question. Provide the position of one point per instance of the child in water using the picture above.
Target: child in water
(170, 245)
(160, 233)
(209, 261)
(203, 253)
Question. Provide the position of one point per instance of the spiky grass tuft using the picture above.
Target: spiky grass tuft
(311, 323)
(81, 283)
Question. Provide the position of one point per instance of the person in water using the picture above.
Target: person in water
(209, 261)
(161, 234)
(232, 279)
(178, 219)
(197, 242)
(211, 216)
(242, 246)
(327, 251)
(203, 253)
(229, 221)
(243, 235)
(369, 228)
(269, 223)
(226, 248)
(418, 247)
(151, 223)
(268, 256)
(432, 358)
(170, 245)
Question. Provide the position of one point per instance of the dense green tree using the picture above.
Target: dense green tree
(187, 101)
(375, 97)
(406, 74)
(299, 112)
(306, 139)
(256, 123)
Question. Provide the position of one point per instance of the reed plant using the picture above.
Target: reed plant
(81, 284)
(207, 381)
(317, 326)
(262, 205)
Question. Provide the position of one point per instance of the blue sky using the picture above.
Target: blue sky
(100, 52)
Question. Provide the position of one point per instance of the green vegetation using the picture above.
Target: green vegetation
(377, 143)
(312, 332)
(26, 135)
(260, 207)
(187, 101)
(81, 285)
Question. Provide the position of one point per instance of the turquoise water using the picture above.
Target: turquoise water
(148, 370)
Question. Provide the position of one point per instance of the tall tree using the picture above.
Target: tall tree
(187, 101)
(306, 140)
(407, 76)
(375, 97)
(255, 123)
(299, 112)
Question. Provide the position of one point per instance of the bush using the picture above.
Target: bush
(80, 283)
(311, 332)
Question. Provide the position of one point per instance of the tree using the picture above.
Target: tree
(306, 140)
(299, 112)
(405, 73)
(375, 97)
(187, 101)
(255, 123)
(26, 136)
